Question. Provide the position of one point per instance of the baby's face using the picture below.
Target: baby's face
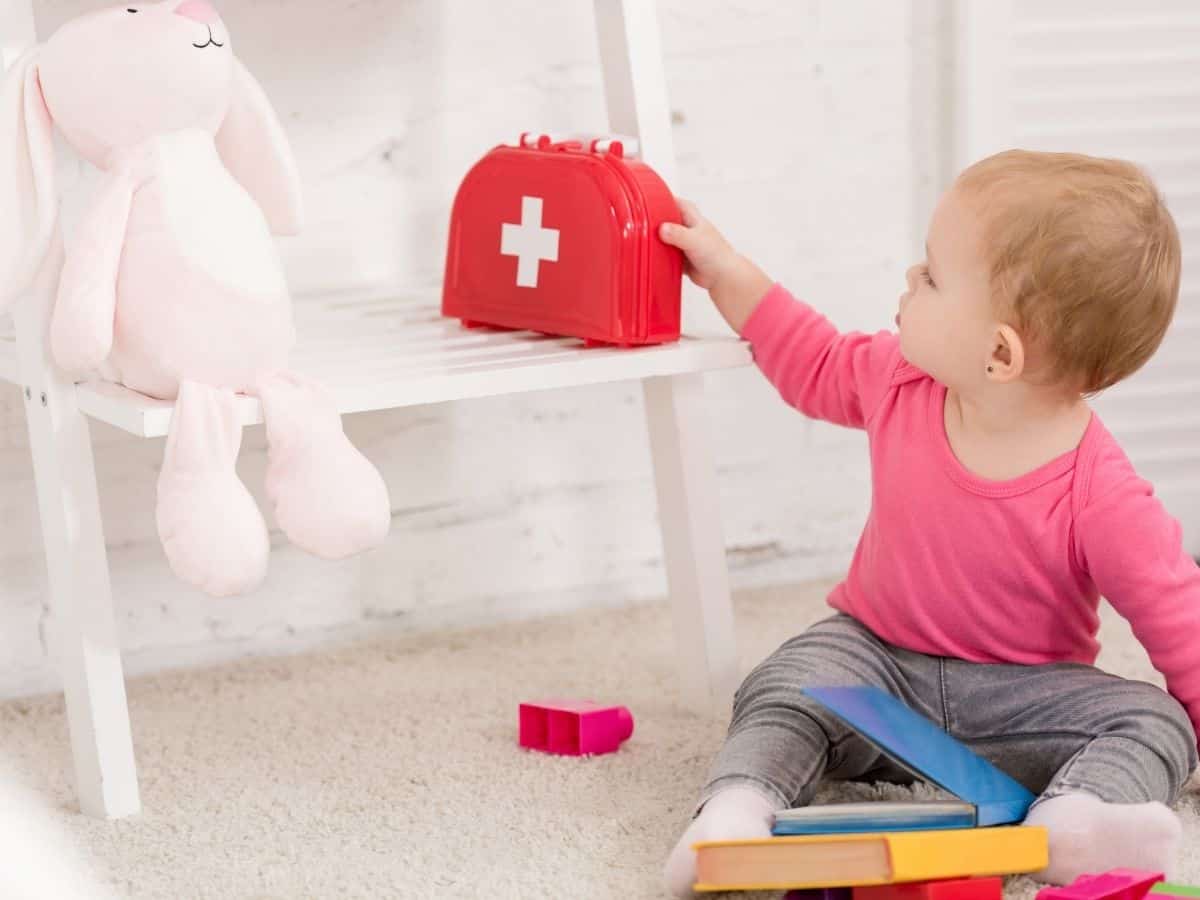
(946, 318)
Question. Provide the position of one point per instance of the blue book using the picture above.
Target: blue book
(870, 817)
(987, 795)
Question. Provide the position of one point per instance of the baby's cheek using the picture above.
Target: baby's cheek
(907, 342)
(919, 339)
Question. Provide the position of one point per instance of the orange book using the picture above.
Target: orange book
(845, 860)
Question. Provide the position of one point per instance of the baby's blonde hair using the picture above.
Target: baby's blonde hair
(1083, 255)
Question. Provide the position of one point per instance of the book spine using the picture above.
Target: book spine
(916, 856)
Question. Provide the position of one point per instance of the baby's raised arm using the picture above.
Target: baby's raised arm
(826, 375)
(734, 282)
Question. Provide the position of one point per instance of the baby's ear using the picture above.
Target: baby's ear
(28, 204)
(255, 149)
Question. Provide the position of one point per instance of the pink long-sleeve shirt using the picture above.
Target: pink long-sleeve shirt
(951, 564)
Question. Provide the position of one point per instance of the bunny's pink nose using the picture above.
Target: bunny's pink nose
(198, 10)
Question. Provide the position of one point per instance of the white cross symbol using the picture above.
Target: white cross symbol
(529, 242)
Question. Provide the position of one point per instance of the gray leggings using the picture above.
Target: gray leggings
(1057, 728)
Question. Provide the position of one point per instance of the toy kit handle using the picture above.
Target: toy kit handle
(622, 145)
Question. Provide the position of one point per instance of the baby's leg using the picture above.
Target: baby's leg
(328, 499)
(780, 742)
(1107, 754)
(211, 530)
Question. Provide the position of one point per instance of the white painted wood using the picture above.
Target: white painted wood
(635, 90)
(82, 634)
(693, 543)
(982, 82)
(685, 478)
(9, 367)
(635, 83)
(817, 201)
(1118, 81)
(380, 351)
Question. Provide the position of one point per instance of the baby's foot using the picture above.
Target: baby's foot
(1088, 835)
(736, 812)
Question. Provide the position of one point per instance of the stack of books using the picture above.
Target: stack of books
(886, 843)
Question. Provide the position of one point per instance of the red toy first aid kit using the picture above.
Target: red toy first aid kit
(561, 237)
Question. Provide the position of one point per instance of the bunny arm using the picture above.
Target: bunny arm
(81, 328)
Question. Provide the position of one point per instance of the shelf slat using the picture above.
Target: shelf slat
(383, 351)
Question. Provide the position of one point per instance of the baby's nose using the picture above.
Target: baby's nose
(197, 10)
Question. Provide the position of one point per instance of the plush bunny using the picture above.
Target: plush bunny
(173, 285)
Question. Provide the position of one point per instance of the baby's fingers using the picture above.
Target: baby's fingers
(686, 239)
(691, 215)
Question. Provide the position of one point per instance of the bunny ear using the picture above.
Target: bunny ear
(255, 149)
(27, 195)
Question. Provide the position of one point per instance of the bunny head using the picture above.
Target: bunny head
(115, 78)
(112, 80)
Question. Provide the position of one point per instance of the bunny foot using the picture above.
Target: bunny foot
(211, 529)
(328, 498)
(212, 533)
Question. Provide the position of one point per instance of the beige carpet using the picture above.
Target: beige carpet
(389, 768)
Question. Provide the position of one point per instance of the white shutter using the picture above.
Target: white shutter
(1115, 79)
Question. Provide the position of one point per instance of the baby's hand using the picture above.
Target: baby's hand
(735, 284)
(707, 255)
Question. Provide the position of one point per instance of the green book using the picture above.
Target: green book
(1175, 890)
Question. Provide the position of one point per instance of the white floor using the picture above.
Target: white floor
(390, 768)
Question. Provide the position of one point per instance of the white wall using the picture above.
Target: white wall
(811, 132)
(1115, 79)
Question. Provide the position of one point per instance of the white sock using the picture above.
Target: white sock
(736, 812)
(1089, 836)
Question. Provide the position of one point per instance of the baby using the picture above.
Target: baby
(1002, 510)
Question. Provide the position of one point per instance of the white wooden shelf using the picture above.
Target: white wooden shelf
(377, 351)
(382, 350)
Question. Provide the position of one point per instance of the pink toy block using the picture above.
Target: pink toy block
(1117, 884)
(574, 727)
(948, 889)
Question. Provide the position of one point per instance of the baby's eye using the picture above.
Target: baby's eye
(926, 276)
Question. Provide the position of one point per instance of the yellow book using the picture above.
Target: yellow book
(845, 860)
